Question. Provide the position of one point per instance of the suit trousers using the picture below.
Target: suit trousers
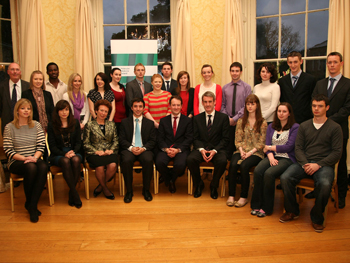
(342, 179)
(162, 161)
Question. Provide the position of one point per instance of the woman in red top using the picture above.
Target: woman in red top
(186, 93)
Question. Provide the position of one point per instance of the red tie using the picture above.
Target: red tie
(174, 126)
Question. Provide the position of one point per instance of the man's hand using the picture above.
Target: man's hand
(232, 122)
(207, 155)
(137, 150)
(311, 168)
(171, 152)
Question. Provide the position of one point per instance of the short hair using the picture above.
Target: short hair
(56, 120)
(167, 64)
(137, 100)
(237, 65)
(294, 54)
(16, 116)
(139, 64)
(156, 76)
(208, 66)
(51, 64)
(276, 124)
(270, 68)
(177, 97)
(335, 53)
(320, 97)
(179, 76)
(104, 79)
(31, 84)
(103, 103)
(208, 94)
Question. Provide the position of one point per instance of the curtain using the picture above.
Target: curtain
(184, 57)
(33, 49)
(85, 45)
(338, 31)
(233, 38)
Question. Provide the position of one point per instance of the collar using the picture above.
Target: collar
(134, 118)
(212, 114)
(297, 75)
(48, 83)
(18, 83)
(337, 78)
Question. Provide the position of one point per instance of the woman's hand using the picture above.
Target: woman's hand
(82, 126)
(156, 124)
(30, 159)
(108, 152)
(273, 161)
(100, 153)
(266, 148)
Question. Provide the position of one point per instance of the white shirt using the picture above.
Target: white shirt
(57, 94)
(133, 135)
(202, 90)
(18, 89)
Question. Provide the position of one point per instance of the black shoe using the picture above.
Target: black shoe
(110, 197)
(198, 192)
(78, 205)
(310, 195)
(341, 203)
(34, 217)
(27, 207)
(96, 193)
(128, 197)
(16, 184)
(147, 195)
(172, 188)
(213, 193)
(279, 187)
(161, 179)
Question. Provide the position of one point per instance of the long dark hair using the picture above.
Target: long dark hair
(252, 98)
(179, 76)
(276, 124)
(104, 79)
(56, 120)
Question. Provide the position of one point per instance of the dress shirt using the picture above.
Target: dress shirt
(18, 89)
(177, 120)
(337, 78)
(57, 94)
(242, 91)
(297, 75)
(133, 136)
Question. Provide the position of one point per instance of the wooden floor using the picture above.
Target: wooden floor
(171, 228)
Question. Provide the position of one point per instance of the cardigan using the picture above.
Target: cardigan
(198, 101)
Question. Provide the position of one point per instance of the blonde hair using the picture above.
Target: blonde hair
(16, 115)
(31, 85)
(70, 87)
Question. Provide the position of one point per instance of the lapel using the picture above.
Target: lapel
(144, 129)
(98, 130)
(300, 81)
(7, 92)
(30, 92)
(289, 82)
(130, 128)
(203, 124)
(337, 87)
(179, 127)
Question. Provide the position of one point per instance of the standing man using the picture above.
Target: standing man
(54, 85)
(337, 88)
(297, 87)
(169, 84)
(137, 139)
(137, 88)
(10, 92)
(211, 138)
(233, 101)
(175, 136)
(318, 148)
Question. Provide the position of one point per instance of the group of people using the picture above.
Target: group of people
(292, 130)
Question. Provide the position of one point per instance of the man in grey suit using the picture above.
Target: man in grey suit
(10, 92)
(137, 88)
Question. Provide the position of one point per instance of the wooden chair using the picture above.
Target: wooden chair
(309, 184)
(170, 165)
(18, 178)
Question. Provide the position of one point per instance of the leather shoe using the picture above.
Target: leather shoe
(198, 192)
(286, 217)
(172, 188)
(128, 197)
(213, 193)
(161, 179)
(341, 203)
(318, 228)
(110, 197)
(147, 195)
(96, 193)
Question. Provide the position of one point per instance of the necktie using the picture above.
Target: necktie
(138, 142)
(167, 85)
(234, 99)
(209, 124)
(174, 126)
(14, 97)
(295, 79)
(142, 89)
(330, 89)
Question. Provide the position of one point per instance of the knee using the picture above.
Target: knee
(112, 166)
(64, 162)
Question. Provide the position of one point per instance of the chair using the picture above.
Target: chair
(170, 165)
(18, 178)
(309, 184)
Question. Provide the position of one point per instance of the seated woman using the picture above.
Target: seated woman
(24, 143)
(157, 101)
(64, 138)
(280, 141)
(77, 99)
(186, 93)
(250, 142)
(41, 99)
(101, 147)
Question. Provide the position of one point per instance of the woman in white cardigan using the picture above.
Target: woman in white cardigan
(77, 99)
(268, 91)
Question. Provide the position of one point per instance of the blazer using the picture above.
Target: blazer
(183, 137)
(5, 102)
(173, 85)
(133, 91)
(190, 100)
(339, 102)
(94, 139)
(148, 133)
(219, 135)
(56, 144)
(300, 96)
(49, 106)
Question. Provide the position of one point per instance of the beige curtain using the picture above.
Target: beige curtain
(85, 45)
(338, 31)
(233, 38)
(184, 58)
(33, 49)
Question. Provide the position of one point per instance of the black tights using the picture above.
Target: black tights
(71, 173)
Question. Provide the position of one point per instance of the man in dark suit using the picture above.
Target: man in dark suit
(169, 84)
(297, 87)
(137, 88)
(175, 135)
(10, 93)
(211, 138)
(337, 88)
(137, 139)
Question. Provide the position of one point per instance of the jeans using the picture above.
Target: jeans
(323, 184)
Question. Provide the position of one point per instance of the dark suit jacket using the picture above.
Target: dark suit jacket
(148, 133)
(219, 135)
(133, 91)
(183, 137)
(49, 106)
(190, 100)
(173, 85)
(300, 96)
(339, 102)
(5, 102)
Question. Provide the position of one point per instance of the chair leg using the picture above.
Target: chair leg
(189, 182)
(336, 198)
(12, 195)
(155, 179)
(223, 185)
(300, 193)
(50, 189)
(120, 182)
(87, 183)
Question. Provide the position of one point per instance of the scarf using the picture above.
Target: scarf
(40, 102)
(78, 105)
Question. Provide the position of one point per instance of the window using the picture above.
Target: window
(137, 19)
(283, 26)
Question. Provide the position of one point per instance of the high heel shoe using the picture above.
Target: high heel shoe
(110, 197)
(96, 193)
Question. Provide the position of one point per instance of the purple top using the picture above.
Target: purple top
(289, 146)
